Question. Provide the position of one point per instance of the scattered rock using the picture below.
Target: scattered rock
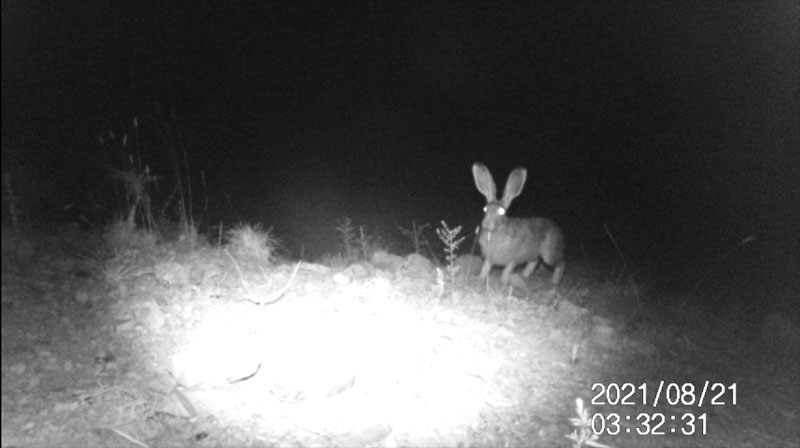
(416, 265)
(605, 336)
(341, 279)
(384, 260)
(124, 325)
(568, 308)
(357, 270)
(196, 274)
(18, 368)
(82, 297)
(469, 264)
(314, 267)
(178, 404)
(172, 273)
(65, 407)
(151, 316)
(519, 282)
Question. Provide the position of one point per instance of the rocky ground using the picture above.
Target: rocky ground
(169, 345)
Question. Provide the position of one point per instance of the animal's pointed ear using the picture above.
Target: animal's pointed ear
(484, 181)
(514, 184)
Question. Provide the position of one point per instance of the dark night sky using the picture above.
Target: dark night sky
(675, 123)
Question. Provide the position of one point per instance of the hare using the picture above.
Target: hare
(509, 241)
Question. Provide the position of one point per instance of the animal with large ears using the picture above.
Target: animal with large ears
(509, 241)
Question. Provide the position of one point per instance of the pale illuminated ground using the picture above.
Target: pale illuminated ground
(175, 347)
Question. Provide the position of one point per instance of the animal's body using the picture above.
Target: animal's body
(509, 241)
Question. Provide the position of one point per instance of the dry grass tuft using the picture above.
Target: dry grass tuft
(253, 241)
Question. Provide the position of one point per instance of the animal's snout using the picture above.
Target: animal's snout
(493, 217)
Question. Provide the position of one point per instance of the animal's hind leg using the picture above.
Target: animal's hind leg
(530, 267)
(559, 272)
(506, 277)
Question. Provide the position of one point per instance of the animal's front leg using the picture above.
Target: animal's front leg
(507, 272)
(487, 266)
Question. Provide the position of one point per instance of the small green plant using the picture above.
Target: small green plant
(583, 435)
(366, 243)
(140, 183)
(348, 235)
(417, 236)
(137, 185)
(451, 241)
(357, 245)
(135, 178)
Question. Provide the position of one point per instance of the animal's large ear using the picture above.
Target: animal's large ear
(484, 181)
(514, 184)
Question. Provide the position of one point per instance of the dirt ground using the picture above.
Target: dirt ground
(176, 346)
